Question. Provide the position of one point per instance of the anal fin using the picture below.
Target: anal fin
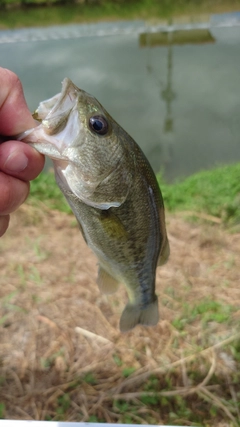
(106, 283)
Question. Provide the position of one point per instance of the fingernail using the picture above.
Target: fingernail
(16, 162)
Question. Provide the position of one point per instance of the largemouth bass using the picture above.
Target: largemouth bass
(113, 192)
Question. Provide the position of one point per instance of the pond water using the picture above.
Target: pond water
(175, 89)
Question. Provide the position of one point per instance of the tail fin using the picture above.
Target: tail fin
(133, 315)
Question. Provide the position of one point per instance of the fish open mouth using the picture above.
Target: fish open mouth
(59, 123)
(59, 105)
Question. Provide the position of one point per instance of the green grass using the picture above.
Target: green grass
(207, 310)
(104, 10)
(214, 192)
(64, 403)
(126, 372)
(45, 189)
(2, 410)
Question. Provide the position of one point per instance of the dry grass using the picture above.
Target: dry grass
(62, 356)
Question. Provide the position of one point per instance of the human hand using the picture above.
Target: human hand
(19, 163)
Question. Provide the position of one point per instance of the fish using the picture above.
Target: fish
(113, 192)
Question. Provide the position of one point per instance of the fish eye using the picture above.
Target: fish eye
(98, 124)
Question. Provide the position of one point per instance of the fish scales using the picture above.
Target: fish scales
(127, 247)
(113, 192)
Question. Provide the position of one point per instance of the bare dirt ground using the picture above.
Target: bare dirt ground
(62, 355)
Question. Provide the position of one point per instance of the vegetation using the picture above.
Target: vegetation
(51, 12)
(215, 192)
(45, 189)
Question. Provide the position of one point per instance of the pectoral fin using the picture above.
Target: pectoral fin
(112, 225)
(106, 283)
